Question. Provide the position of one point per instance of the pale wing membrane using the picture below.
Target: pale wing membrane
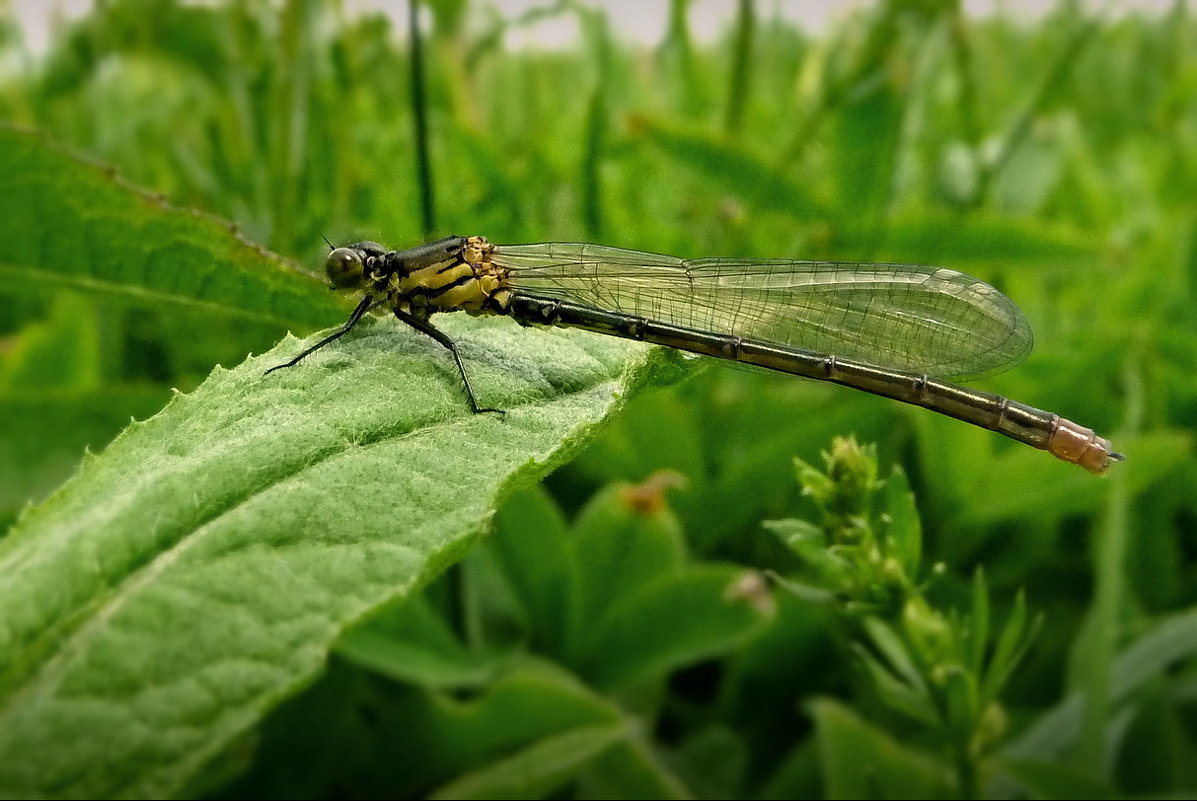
(905, 317)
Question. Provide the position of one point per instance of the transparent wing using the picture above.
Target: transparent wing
(906, 317)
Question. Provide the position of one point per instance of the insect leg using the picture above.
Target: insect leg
(362, 308)
(425, 327)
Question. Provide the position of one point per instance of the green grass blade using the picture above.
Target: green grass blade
(739, 87)
(733, 168)
(1149, 657)
(419, 107)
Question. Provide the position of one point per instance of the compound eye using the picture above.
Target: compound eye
(345, 268)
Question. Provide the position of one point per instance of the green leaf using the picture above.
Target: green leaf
(530, 543)
(894, 648)
(635, 768)
(715, 760)
(1154, 751)
(488, 609)
(867, 135)
(1015, 638)
(1059, 489)
(862, 761)
(538, 769)
(616, 545)
(961, 707)
(1051, 780)
(826, 570)
(197, 572)
(980, 240)
(1169, 641)
(1030, 175)
(798, 775)
(69, 223)
(904, 697)
(429, 738)
(45, 433)
(904, 532)
(734, 169)
(801, 591)
(976, 631)
(285, 757)
(675, 621)
(413, 643)
(61, 353)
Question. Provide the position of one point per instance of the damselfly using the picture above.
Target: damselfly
(894, 330)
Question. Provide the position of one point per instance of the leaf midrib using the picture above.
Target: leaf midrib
(142, 295)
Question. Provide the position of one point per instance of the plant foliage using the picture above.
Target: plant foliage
(276, 586)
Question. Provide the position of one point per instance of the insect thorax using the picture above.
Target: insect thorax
(460, 276)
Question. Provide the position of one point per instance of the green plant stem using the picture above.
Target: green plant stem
(739, 78)
(966, 769)
(1103, 625)
(1052, 80)
(420, 108)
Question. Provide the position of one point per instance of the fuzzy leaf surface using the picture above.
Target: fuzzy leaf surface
(198, 571)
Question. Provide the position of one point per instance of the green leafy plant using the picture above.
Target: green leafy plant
(937, 671)
(590, 619)
(200, 568)
(277, 586)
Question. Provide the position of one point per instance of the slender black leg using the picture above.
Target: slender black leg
(361, 309)
(425, 327)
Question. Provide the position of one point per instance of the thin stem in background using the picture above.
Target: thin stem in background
(420, 107)
(1085, 32)
(837, 90)
(678, 51)
(739, 78)
(595, 25)
(290, 104)
(592, 198)
(1104, 628)
(969, 116)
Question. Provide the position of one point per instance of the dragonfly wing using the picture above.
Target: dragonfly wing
(905, 317)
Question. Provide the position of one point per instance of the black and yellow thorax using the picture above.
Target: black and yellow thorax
(456, 273)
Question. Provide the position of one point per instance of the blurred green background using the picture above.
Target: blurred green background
(1054, 157)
